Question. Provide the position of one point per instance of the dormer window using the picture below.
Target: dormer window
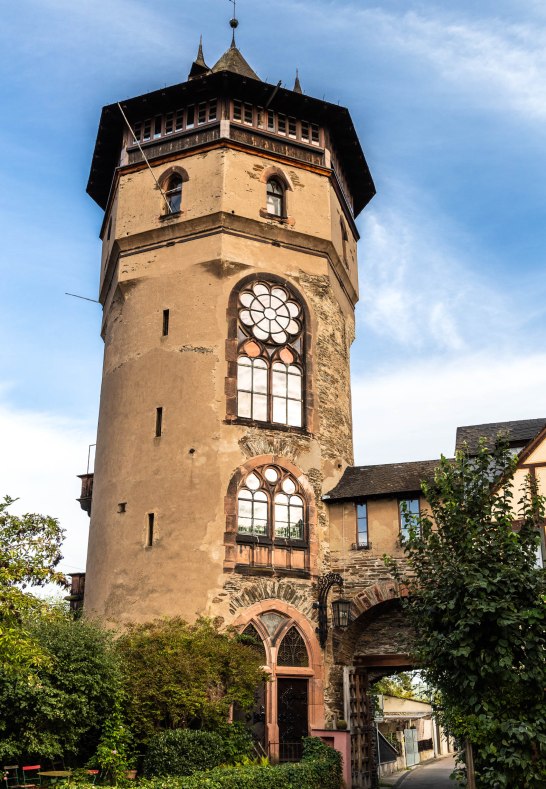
(275, 197)
(173, 193)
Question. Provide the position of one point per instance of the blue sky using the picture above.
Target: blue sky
(450, 103)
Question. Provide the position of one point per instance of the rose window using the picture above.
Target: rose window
(269, 313)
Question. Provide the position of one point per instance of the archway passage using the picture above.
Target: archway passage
(376, 643)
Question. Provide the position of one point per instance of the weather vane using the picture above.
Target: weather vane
(234, 22)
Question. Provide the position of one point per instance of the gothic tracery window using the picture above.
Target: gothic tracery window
(270, 357)
(270, 503)
(292, 650)
(254, 639)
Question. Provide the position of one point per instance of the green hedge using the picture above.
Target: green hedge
(182, 752)
(320, 768)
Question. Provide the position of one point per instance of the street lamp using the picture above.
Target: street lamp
(341, 608)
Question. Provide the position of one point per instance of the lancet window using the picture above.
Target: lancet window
(271, 504)
(270, 370)
(292, 650)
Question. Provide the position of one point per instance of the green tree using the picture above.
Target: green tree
(400, 685)
(477, 603)
(179, 675)
(29, 554)
(63, 708)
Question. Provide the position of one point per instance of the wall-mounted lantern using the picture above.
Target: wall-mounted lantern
(341, 608)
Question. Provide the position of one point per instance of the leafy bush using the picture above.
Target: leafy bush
(185, 676)
(184, 752)
(60, 710)
(320, 768)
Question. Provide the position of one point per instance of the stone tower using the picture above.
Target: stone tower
(228, 284)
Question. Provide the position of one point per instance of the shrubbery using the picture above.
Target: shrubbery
(183, 751)
(320, 768)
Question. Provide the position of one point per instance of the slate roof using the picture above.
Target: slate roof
(383, 480)
(518, 433)
(232, 60)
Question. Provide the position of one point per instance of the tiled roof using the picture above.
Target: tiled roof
(383, 480)
(518, 433)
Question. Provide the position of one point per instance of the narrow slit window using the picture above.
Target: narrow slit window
(179, 125)
(292, 127)
(109, 232)
(237, 107)
(202, 113)
(150, 530)
(271, 120)
(165, 322)
(212, 110)
(259, 117)
(315, 139)
(305, 131)
(190, 118)
(158, 421)
(281, 124)
(249, 114)
(169, 123)
(147, 130)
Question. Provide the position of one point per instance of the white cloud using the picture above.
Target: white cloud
(504, 64)
(42, 454)
(418, 288)
(488, 61)
(412, 412)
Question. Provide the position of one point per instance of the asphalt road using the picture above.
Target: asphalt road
(431, 776)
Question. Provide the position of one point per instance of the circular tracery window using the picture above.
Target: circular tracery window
(269, 313)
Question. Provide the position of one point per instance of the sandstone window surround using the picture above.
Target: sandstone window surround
(270, 370)
(171, 183)
(271, 520)
(271, 505)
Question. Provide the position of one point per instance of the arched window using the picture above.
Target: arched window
(292, 651)
(275, 197)
(270, 355)
(254, 639)
(173, 192)
(270, 503)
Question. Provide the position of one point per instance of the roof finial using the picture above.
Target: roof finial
(233, 22)
(200, 58)
(297, 85)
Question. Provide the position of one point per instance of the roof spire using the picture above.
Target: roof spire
(297, 85)
(198, 67)
(233, 23)
(200, 58)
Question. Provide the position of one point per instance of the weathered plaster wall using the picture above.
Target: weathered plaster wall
(182, 476)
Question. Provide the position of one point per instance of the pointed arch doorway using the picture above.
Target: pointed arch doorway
(290, 703)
